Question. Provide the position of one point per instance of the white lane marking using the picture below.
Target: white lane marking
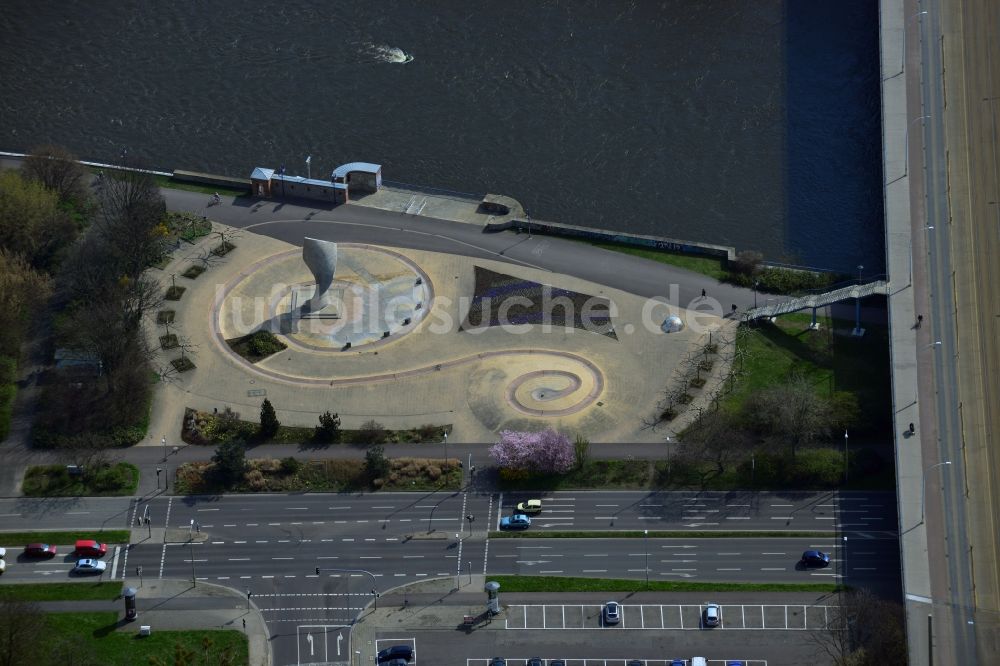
(114, 564)
(163, 557)
(737, 517)
(9, 515)
(200, 510)
(239, 559)
(296, 508)
(282, 558)
(76, 513)
(383, 507)
(229, 525)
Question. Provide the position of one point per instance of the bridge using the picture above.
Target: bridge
(815, 300)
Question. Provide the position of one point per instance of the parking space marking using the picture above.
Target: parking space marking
(748, 617)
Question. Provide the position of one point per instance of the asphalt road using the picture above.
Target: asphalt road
(689, 510)
(360, 224)
(270, 545)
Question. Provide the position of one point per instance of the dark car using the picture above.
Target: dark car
(497, 661)
(395, 662)
(39, 550)
(635, 662)
(404, 652)
(557, 662)
(815, 558)
(534, 661)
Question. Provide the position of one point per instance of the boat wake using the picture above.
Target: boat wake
(390, 54)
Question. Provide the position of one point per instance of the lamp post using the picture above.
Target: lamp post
(906, 146)
(845, 455)
(309, 172)
(755, 284)
(858, 331)
(902, 59)
(446, 447)
(163, 441)
(923, 489)
(282, 172)
(645, 547)
(158, 470)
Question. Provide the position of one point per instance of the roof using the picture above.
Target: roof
(345, 169)
(299, 180)
(262, 173)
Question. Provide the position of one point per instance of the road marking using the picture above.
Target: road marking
(239, 542)
(595, 571)
(200, 510)
(163, 557)
(76, 513)
(737, 517)
(774, 569)
(239, 559)
(114, 565)
(9, 515)
(282, 558)
(773, 553)
(783, 506)
(229, 525)
(296, 508)
(251, 524)
(781, 517)
(383, 507)
(217, 542)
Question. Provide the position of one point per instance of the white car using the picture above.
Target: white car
(89, 565)
(3, 566)
(3, 553)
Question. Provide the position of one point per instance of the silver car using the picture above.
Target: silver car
(89, 565)
(612, 613)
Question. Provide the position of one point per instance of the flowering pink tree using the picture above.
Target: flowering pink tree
(544, 452)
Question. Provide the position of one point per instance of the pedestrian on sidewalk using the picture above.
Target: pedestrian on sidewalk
(920, 320)
(703, 293)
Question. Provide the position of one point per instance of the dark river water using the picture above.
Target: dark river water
(747, 123)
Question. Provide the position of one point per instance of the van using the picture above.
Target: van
(698, 661)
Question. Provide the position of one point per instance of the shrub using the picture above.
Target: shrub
(230, 462)
(290, 465)
(269, 423)
(429, 432)
(746, 263)
(541, 452)
(264, 343)
(372, 432)
(328, 430)
(376, 464)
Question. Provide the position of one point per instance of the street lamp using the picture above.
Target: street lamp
(446, 448)
(923, 489)
(902, 59)
(858, 331)
(309, 171)
(282, 172)
(163, 441)
(845, 455)
(906, 146)
(755, 284)
(645, 544)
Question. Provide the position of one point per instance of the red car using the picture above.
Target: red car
(90, 548)
(39, 550)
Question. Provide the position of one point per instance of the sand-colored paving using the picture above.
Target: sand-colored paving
(483, 381)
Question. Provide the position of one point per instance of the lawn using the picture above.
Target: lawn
(61, 538)
(713, 267)
(61, 591)
(8, 391)
(830, 360)
(572, 584)
(167, 181)
(95, 635)
(54, 481)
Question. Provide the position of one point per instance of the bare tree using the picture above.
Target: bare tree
(863, 629)
(790, 414)
(22, 632)
(715, 439)
(58, 170)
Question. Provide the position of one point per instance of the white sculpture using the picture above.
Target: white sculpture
(321, 258)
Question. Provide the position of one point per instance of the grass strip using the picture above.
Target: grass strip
(95, 635)
(120, 479)
(60, 591)
(63, 537)
(574, 584)
(661, 534)
(713, 267)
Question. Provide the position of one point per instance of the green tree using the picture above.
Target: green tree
(230, 462)
(328, 430)
(790, 415)
(269, 422)
(31, 222)
(372, 432)
(376, 464)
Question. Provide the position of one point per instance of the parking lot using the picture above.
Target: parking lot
(681, 616)
(616, 662)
